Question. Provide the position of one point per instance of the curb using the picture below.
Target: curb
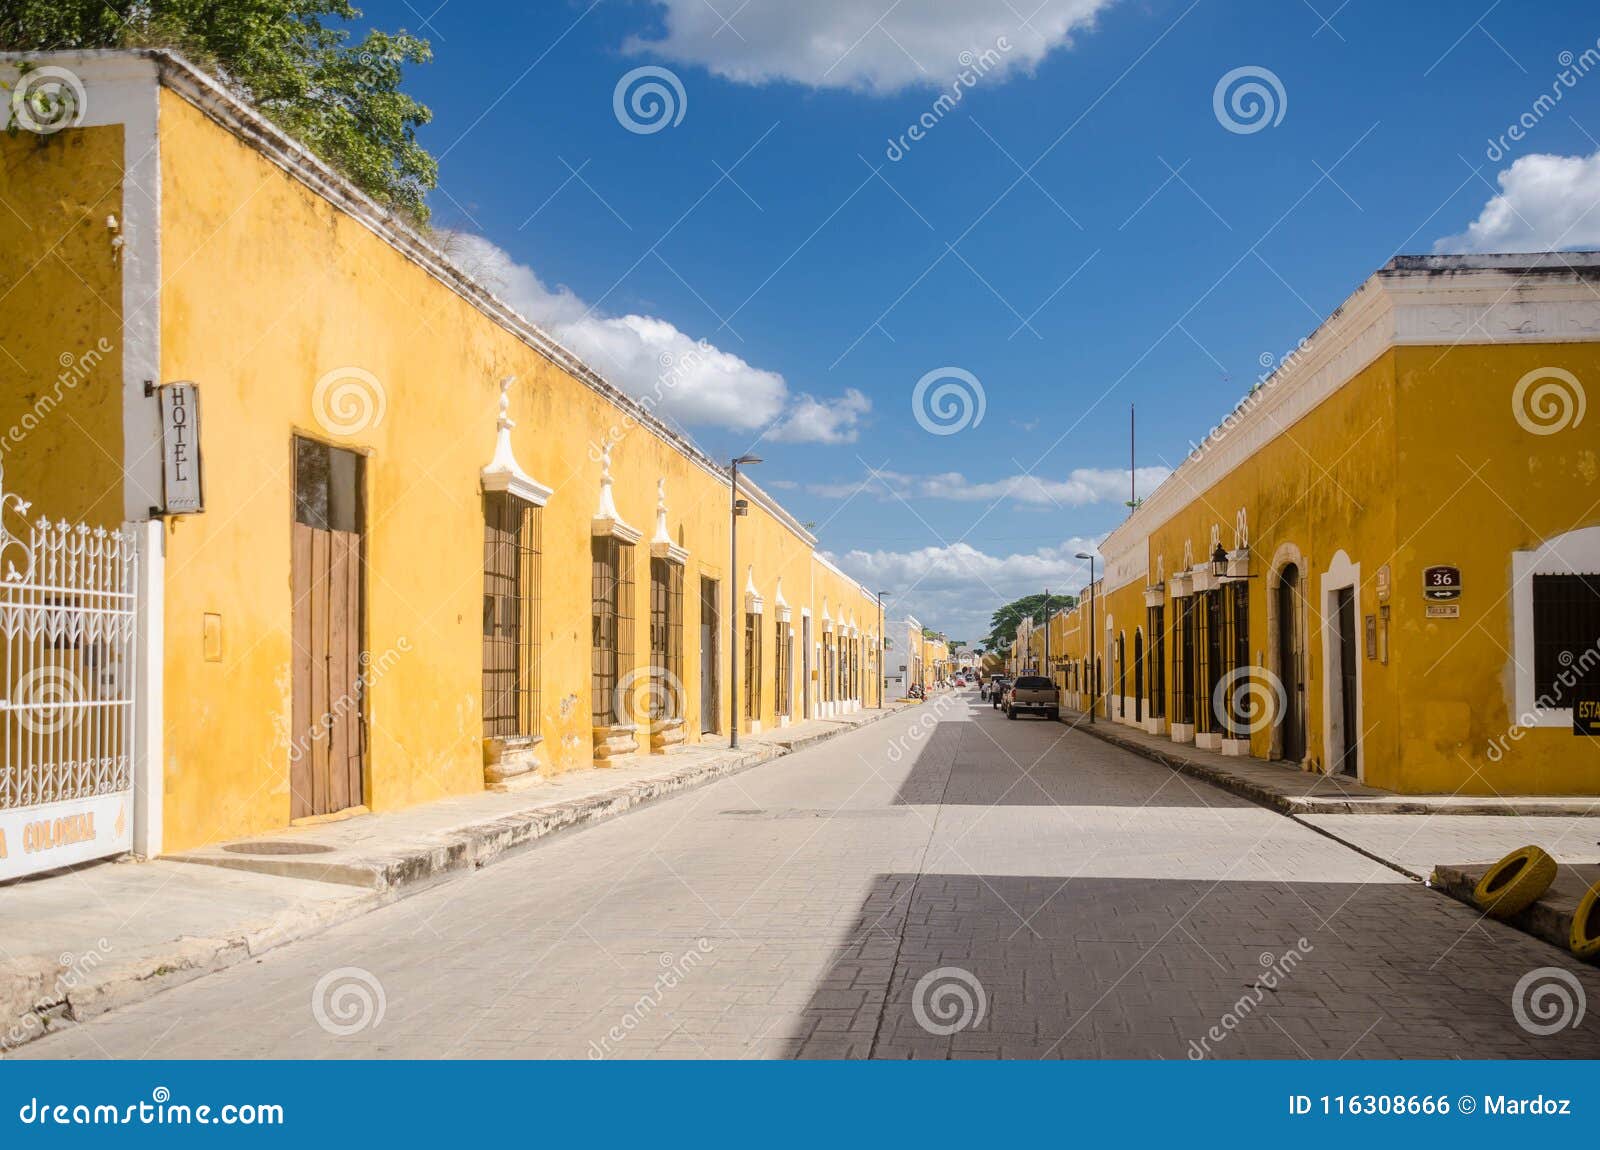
(40, 994)
(1548, 919)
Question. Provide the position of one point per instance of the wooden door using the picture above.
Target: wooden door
(327, 759)
(1345, 598)
(710, 709)
(1289, 661)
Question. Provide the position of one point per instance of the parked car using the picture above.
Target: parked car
(960, 681)
(996, 688)
(1033, 693)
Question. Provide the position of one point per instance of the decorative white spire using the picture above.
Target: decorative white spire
(503, 472)
(752, 598)
(607, 520)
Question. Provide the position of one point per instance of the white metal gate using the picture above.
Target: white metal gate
(67, 601)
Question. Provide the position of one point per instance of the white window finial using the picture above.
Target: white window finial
(503, 474)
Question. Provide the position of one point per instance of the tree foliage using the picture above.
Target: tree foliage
(292, 59)
(1003, 623)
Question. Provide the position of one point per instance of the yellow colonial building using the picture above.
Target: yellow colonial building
(373, 538)
(1385, 562)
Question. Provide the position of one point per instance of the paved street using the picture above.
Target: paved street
(1076, 901)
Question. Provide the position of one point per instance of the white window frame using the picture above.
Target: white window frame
(1575, 553)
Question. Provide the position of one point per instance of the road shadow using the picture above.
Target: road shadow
(1139, 968)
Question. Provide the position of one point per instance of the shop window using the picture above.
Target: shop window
(1566, 635)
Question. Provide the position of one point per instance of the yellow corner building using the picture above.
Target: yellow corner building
(434, 552)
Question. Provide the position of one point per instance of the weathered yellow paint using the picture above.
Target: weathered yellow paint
(1417, 460)
(267, 286)
(61, 322)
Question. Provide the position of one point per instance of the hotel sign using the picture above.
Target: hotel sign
(59, 834)
(181, 491)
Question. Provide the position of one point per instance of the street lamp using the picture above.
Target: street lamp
(1094, 679)
(736, 508)
(1219, 562)
(881, 672)
(1046, 667)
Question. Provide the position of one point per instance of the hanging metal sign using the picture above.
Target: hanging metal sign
(182, 492)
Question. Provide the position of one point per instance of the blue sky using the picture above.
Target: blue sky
(1093, 225)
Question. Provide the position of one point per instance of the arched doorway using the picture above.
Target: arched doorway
(1138, 676)
(1290, 664)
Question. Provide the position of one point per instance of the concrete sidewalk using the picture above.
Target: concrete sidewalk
(92, 938)
(1295, 792)
(1445, 841)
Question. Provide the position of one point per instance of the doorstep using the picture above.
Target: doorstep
(1292, 791)
(91, 938)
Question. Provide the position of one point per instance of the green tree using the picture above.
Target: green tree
(292, 59)
(1003, 623)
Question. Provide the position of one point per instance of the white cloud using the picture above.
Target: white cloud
(956, 588)
(1083, 485)
(1546, 203)
(682, 379)
(812, 420)
(848, 44)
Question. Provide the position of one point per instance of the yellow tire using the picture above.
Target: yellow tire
(1515, 882)
(1584, 938)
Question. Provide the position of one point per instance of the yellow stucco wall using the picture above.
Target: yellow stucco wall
(61, 323)
(1474, 486)
(267, 288)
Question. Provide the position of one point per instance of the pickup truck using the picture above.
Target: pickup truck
(1033, 693)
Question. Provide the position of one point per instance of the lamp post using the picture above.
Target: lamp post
(881, 672)
(736, 508)
(1094, 679)
(1046, 668)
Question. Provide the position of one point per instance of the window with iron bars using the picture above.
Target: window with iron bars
(783, 667)
(1156, 662)
(1210, 649)
(511, 549)
(752, 666)
(666, 638)
(1566, 635)
(612, 630)
(1183, 666)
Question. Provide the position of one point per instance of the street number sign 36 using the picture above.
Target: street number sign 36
(1441, 583)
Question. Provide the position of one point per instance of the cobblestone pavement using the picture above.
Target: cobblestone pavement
(943, 883)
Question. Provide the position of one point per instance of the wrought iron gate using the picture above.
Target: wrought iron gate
(67, 632)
